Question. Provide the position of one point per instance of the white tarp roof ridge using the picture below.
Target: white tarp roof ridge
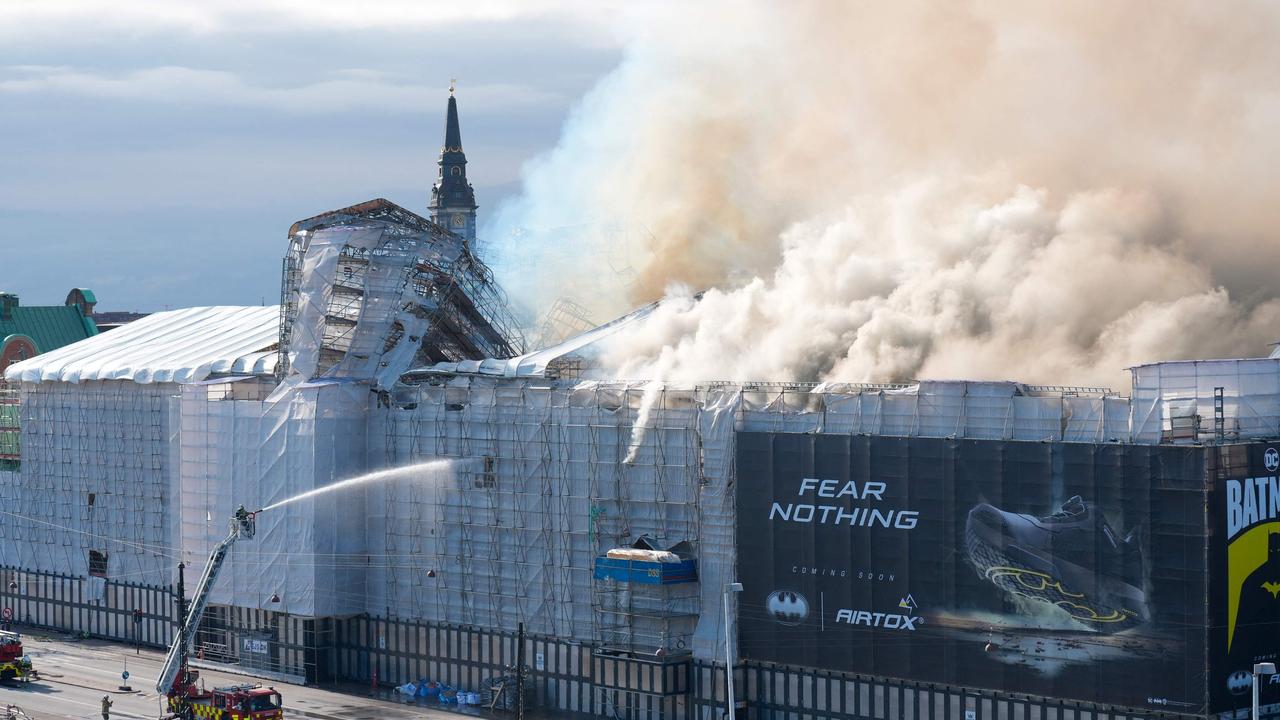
(534, 364)
(181, 346)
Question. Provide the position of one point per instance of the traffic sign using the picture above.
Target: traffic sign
(7, 613)
(124, 675)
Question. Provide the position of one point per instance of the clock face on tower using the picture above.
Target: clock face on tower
(459, 220)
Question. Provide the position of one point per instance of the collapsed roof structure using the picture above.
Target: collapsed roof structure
(373, 289)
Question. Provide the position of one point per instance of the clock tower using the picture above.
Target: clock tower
(453, 202)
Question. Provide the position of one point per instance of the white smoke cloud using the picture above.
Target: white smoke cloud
(874, 192)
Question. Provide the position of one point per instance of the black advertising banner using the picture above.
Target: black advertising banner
(1244, 587)
(1065, 570)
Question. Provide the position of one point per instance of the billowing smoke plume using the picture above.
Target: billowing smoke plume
(884, 191)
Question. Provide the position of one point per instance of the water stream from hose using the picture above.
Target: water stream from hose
(407, 471)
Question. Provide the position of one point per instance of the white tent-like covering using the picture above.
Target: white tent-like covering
(178, 346)
(99, 426)
(1204, 400)
(535, 364)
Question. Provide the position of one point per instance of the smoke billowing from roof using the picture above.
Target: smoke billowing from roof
(877, 191)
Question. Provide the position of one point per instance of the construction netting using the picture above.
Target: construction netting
(92, 497)
(238, 447)
(544, 477)
(532, 480)
(368, 295)
(542, 480)
(1206, 400)
(10, 427)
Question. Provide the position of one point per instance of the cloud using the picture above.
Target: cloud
(69, 18)
(344, 90)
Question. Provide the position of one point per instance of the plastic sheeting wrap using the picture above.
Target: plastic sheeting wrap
(387, 318)
(372, 289)
(1174, 401)
(94, 477)
(539, 485)
(178, 346)
(717, 545)
(976, 410)
(308, 553)
(537, 488)
(535, 364)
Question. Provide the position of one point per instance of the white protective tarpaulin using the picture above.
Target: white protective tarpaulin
(534, 364)
(308, 554)
(179, 346)
(94, 478)
(1185, 389)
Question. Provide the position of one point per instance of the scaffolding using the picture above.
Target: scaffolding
(10, 428)
(373, 289)
(643, 620)
(93, 494)
(589, 265)
(1205, 401)
(565, 319)
(542, 480)
(273, 608)
(960, 409)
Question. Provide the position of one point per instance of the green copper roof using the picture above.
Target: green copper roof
(51, 327)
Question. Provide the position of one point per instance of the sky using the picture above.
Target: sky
(158, 152)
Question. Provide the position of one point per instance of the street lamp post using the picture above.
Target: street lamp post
(1260, 669)
(729, 588)
(137, 631)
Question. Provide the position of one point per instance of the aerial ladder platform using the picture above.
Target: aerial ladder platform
(186, 697)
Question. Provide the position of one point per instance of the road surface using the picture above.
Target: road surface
(75, 674)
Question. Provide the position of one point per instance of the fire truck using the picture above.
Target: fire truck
(185, 695)
(14, 664)
(233, 702)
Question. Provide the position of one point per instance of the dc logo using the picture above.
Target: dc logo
(787, 607)
(1271, 459)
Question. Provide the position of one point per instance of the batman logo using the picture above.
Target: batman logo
(1239, 682)
(1273, 588)
(787, 607)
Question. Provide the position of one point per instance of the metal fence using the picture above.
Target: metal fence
(129, 612)
(572, 679)
(776, 692)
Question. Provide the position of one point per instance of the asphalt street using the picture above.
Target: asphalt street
(75, 674)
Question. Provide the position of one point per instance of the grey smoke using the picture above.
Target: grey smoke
(874, 191)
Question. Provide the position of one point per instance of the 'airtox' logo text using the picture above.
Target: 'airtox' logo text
(890, 621)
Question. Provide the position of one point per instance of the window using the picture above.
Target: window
(92, 497)
(97, 563)
(264, 702)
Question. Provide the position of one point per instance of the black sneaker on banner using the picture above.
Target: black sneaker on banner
(1071, 559)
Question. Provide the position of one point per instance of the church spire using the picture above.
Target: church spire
(453, 201)
(452, 134)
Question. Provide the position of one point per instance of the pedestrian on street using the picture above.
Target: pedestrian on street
(106, 707)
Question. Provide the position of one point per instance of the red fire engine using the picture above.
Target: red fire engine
(186, 698)
(14, 664)
(234, 702)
